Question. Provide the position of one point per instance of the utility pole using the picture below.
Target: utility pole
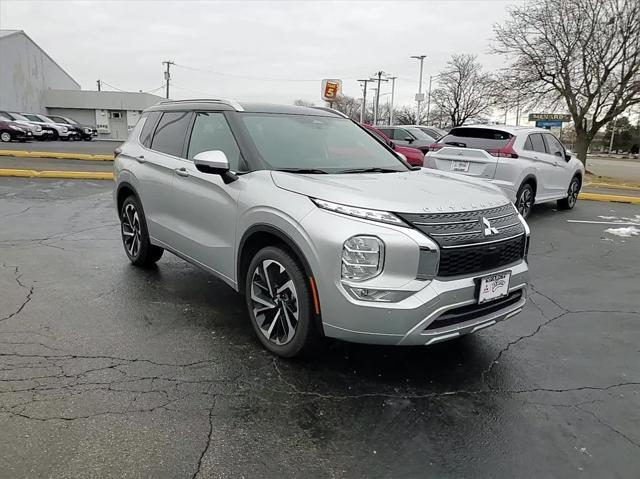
(377, 104)
(167, 74)
(419, 96)
(613, 133)
(99, 85)
(393, 91)
(364, 99)
(429, 99)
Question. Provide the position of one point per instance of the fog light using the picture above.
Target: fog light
(377, 295)
(362, 258)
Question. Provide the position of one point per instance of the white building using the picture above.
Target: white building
(32, 82)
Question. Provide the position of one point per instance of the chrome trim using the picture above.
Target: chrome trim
(485, 242)
(462, 233)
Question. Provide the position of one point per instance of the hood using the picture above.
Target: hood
(416, 191)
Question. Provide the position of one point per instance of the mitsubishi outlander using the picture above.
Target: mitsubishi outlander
(325, 230)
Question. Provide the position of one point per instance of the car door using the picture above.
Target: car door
(206, 206)
(543, 164)
(559, 181)
(162, 145)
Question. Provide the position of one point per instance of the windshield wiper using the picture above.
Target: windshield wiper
(370, 170)
(303, 170)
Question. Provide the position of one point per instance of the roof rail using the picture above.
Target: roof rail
(232, 103)
(331, 110)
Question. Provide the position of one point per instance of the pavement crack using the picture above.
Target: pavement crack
(17, 276)
(208, 444)
(608, 426)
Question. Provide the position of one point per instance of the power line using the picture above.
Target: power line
(248, 77)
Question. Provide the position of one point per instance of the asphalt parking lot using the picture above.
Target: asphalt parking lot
(110, 371)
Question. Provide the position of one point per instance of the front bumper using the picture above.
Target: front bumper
(415, 319)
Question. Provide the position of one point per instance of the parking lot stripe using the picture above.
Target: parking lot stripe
(604, 222)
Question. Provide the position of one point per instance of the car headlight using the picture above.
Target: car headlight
(13, 127)
(362, 258)
(38, 128)
(65, 129)
(87, 130)
(364, 213)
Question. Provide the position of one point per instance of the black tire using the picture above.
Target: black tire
(55, 136)
(572, 194)
(6, 136)
(525, 199)
(135, 236)
(281, 268)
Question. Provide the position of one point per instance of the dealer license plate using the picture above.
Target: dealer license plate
(494, 287)
(461, 166)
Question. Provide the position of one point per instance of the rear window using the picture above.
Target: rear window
(480, 138)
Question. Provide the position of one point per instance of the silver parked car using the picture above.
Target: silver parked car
(529, 164)
(324, 229)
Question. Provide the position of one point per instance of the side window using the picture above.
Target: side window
(211, 132)
(387, 131)
(553, 145)
(538, 143)
(149, 125)
(401, 134)
(527, 144)
(171, 132)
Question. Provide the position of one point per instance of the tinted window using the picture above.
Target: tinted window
(30, 118)
(420, 134)
(381, 136)
(387, 131)
(331, 144)
(553, 145)
(537, 143)
(480, 138)
(211, 132)
(149, 125)
(59, 119)
(171, 132)
(400, 134)
(527, 144)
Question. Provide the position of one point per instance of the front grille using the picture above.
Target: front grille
(473, 241)
(474, 311)
(478, 258)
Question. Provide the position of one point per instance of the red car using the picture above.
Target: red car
(414, 156)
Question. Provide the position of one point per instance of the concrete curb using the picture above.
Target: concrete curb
(71, 175)
(634, 200)
(56, 155)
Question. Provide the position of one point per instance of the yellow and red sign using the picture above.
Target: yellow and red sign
(331, 89)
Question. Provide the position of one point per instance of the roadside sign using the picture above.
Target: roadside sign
(561, 117)
(331, 89)
(419, 96)
(549, 124)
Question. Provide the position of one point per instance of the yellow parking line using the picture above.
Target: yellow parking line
(72, 175)
(615, 198)
(56, 155)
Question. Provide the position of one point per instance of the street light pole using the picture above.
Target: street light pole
(364, 100)
(377, 104)
(419, 96)
(393, 90)
(429, 99)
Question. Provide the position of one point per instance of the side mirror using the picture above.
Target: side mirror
(567, 157)
(214, 162)
(558, 153)
(408, 139)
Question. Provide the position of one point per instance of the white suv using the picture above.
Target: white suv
(529, 164)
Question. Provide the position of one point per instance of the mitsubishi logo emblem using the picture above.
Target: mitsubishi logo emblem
(488, 229)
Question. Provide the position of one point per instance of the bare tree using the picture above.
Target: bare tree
(465, 92)
(348, 105)
(407, 115)
(583, 53)
(301, 102)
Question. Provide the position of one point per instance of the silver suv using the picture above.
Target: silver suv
(322, 227)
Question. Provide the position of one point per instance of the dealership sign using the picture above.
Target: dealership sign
(549, 117)
(331, 89)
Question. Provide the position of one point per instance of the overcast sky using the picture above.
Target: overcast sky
(256, 50)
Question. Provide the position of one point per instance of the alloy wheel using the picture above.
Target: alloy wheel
(574, 188)
(525, 201)
(5, 136)
(131, 231)
(274, 302)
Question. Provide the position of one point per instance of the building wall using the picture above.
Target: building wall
(26, 72)
(87, 117)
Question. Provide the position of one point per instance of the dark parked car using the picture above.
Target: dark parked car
(409, 136)
(86, 132)
(10, 130)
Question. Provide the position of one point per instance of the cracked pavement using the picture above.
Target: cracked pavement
(111, 371)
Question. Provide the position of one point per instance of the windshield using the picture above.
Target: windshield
(59, 119)
(18, 116)
(4, 118)
(323, 144)
(419, 134)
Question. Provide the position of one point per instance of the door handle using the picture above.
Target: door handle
(140, 159)
(182, 172)
(535, 157)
